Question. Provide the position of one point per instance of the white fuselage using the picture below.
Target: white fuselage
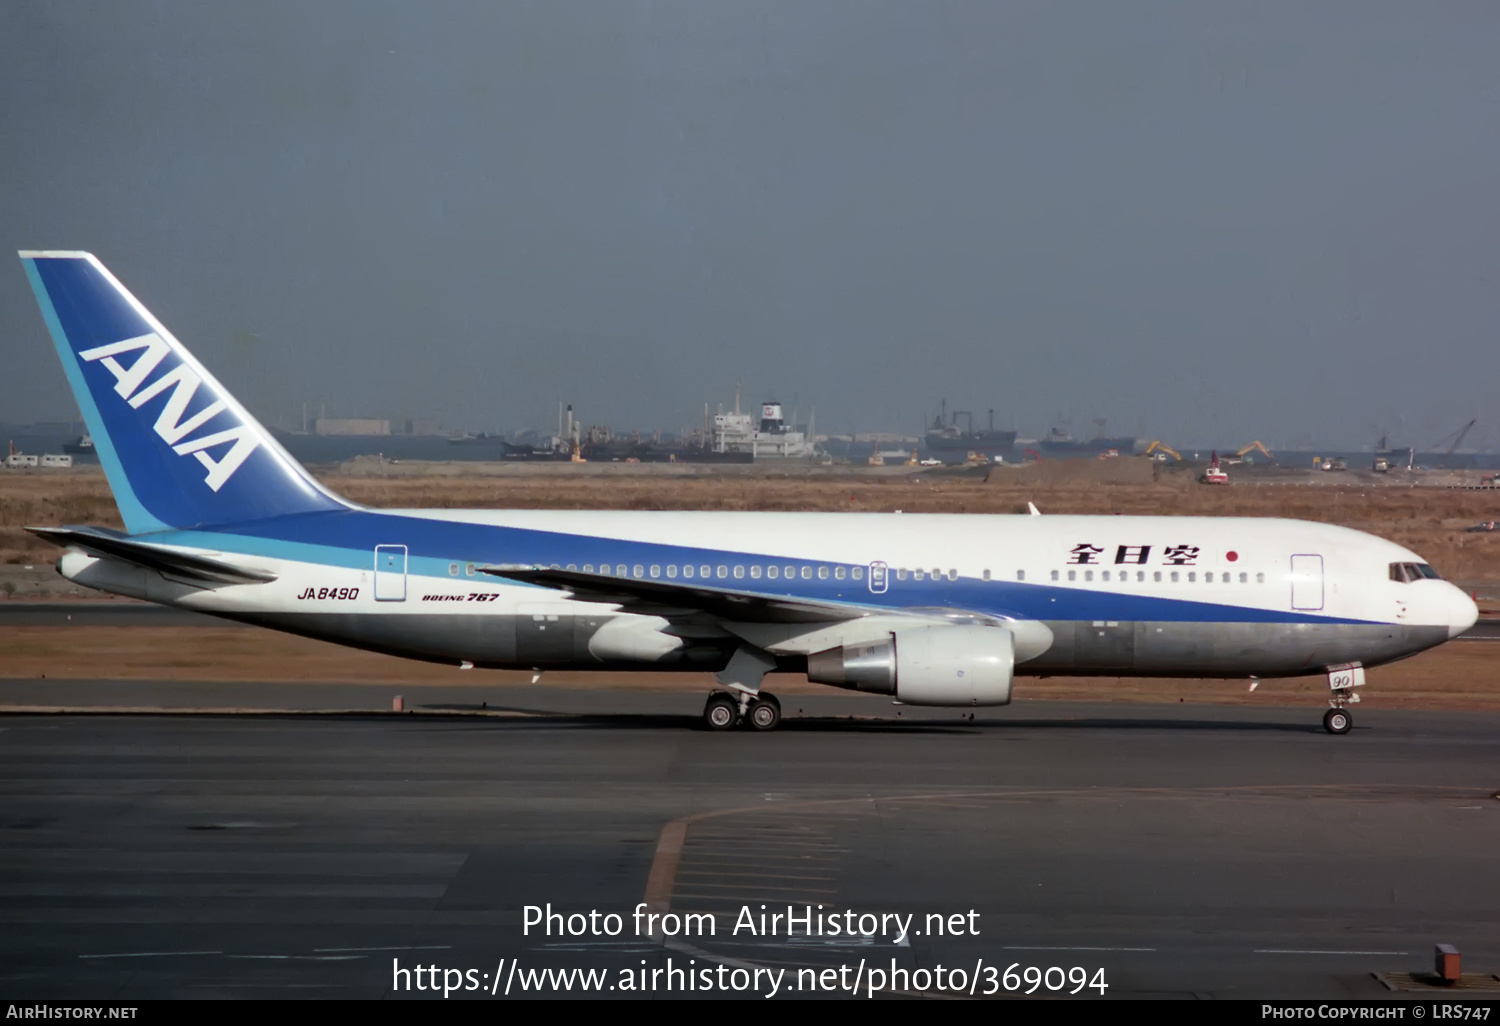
(1228, 581)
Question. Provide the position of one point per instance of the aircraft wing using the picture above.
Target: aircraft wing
(173, 562)
(777, 624)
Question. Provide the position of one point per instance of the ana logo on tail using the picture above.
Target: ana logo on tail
(130, 383)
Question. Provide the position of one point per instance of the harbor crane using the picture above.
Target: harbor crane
(1457, 436)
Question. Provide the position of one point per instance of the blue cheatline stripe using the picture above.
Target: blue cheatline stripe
(137, 520)
(347, 539)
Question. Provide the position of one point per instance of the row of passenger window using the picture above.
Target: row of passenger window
(1156, 576)
(756, 572)
(838, 573)
(707, 571)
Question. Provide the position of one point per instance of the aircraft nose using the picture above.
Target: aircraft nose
(1462, 612)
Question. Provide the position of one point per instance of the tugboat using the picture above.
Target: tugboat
(83, 445)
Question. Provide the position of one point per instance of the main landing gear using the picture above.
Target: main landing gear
(1342, 680)
(724, 711)
(745, 703)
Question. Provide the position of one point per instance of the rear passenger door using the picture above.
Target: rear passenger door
(390, 573)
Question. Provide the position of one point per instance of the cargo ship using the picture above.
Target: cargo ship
(739, 434)
(945, 437)
(1060, 444)
(662, 449)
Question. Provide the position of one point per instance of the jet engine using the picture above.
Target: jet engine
(959, 665)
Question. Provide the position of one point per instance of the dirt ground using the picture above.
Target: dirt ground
(1459, 675)
(1430, 521)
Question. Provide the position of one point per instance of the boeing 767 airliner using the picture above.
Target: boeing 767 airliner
(940, 610)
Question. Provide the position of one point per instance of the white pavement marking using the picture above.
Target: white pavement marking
(303, 958)
(1036, 947)
(402, 947)
(152, 954)
(1305, 951)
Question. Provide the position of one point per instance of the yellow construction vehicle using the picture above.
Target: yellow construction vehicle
(1243, 456)
(1159, 451)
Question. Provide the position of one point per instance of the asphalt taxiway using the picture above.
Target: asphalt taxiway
(1210, 851)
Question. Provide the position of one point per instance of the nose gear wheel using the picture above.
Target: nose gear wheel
(1337, 721)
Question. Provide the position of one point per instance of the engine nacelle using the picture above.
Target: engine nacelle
(959, 665)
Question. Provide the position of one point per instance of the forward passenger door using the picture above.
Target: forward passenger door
(1307, 582)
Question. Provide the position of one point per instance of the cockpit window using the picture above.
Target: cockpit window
(1413, 572)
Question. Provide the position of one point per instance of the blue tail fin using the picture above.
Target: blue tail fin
(178, 450)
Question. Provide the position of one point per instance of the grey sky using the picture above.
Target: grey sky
(1207, 222)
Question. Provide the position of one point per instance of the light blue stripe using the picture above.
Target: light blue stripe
(137, 520)
(320, 555)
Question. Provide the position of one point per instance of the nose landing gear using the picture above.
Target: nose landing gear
(1342, 680)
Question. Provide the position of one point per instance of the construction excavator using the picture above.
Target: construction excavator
(1159, 451)
(1243, 456)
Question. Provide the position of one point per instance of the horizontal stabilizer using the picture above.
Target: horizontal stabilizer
(100, 542)
(669, 598)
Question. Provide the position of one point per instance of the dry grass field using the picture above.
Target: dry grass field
(1429, 521)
